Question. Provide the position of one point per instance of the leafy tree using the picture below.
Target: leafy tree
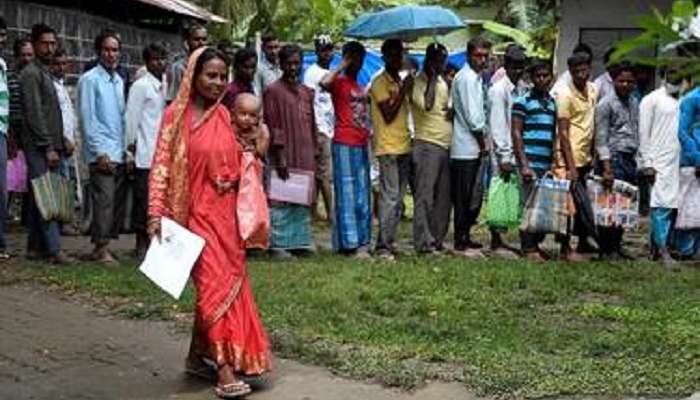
(675, 36)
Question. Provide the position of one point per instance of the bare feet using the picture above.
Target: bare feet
(534, 256)
(61, 259)
(573, 256)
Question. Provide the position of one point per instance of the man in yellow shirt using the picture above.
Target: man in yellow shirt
(576, 119)
(392, 144)
(430, 105)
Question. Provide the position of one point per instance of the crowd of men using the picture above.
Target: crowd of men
(430, 129)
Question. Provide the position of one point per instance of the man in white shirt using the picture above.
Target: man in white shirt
(604, 82)
(468, 143)
(659, 152)
(69, 164)
(144, 110)
(325, 118)
(269, 69)
(500, 99)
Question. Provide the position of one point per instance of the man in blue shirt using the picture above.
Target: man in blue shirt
(101, 98)
(533, 133)
(688, 222)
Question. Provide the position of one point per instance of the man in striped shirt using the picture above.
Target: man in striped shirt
(533, 130)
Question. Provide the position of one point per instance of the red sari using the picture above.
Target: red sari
(228, 329)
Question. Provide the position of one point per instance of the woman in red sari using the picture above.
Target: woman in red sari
(194, 181)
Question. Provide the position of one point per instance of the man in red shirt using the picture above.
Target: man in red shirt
(353, 218)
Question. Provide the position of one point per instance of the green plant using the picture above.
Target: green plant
(675, 36)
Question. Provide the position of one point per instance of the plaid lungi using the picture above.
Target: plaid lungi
(352, 220)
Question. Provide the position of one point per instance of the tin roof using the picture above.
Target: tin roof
(183, 7)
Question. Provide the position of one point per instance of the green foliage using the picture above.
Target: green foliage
(301, 20)
(537, 44)
(668, 35)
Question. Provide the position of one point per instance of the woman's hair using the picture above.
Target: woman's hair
(207, 55)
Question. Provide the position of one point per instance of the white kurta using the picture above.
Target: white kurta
(659, 147)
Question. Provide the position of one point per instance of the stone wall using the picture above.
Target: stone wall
(77, 30)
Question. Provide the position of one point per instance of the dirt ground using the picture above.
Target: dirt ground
(55, 348)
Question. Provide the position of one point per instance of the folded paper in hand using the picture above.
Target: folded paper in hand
(297, 189)
(169, 261)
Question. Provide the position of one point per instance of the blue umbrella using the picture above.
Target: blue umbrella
(405, 22)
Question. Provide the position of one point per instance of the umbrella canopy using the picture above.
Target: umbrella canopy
(405, 22)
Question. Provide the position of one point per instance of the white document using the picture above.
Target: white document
(168, 262)
(298, 189)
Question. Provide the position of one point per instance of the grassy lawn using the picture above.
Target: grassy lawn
(501, 327)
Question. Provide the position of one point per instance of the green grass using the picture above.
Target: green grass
(501, 327)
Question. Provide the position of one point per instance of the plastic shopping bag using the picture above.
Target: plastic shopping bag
(17, 174)
(252, 210)
(503, 207)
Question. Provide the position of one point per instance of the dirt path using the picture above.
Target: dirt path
(53, 348)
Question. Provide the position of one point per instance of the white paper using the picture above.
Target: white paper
(168, 262)
(297, 189)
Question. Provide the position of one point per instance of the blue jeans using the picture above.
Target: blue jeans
(3, 191)
(44, 235)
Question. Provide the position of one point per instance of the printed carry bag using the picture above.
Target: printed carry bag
(546, 210)
(616, 207)
(503, 206)
(252, 210)
(54, 197)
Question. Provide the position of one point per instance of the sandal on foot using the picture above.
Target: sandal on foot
(232, 390)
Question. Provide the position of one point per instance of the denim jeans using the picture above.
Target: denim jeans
(43, 235)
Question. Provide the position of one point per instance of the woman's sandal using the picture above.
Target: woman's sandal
(232, 390)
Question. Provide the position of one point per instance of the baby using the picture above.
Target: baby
(252, 134)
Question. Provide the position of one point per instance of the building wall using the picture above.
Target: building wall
(601, 21)
(77, 31)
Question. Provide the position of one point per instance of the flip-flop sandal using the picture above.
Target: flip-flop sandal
(232, 390)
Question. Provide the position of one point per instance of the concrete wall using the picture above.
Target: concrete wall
(77, 30)
(601, 21)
